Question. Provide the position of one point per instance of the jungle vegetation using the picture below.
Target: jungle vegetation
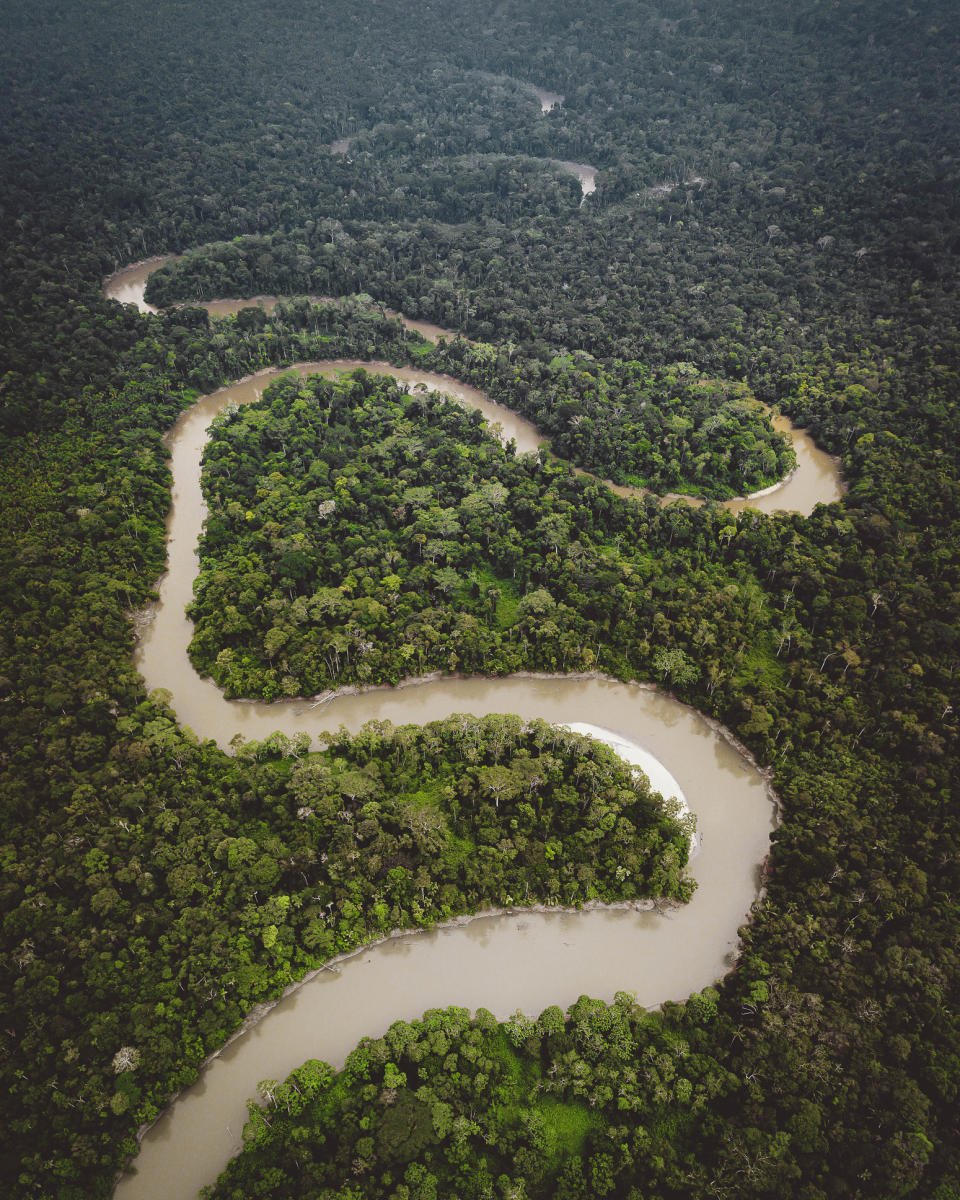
(776, 211)
(359, 534)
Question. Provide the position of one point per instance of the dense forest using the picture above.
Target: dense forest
(669, 430)
(777, 217)
(407, 540)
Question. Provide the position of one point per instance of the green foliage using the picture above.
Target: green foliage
(566, 1128)
(358, 534)
(776, 209)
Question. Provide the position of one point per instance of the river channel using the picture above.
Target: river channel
(586, 175)
(502, 961)
(815, 480)
(525, 960)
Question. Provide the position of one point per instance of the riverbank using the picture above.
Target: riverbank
(502, 959)
(815, 480)
(517, 957)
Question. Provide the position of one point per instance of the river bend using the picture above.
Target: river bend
(524, 959)
(815, 480)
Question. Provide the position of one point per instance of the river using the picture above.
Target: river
(129, 284)
(524, 959)
(586, 174)
(815, 480)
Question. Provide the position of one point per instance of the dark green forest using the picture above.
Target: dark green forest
(406, 540)
(776, 216)
(671, 430)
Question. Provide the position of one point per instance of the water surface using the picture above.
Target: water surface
(527, 959)
(586, 174)
(522, 959)
(816, 480)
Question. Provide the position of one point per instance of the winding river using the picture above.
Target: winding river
(815, 480)
(526, 958)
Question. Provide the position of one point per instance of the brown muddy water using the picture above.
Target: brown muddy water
(502, 961)
(816, 479)
(586, 174)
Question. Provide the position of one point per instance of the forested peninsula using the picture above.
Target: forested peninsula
(775, 226)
